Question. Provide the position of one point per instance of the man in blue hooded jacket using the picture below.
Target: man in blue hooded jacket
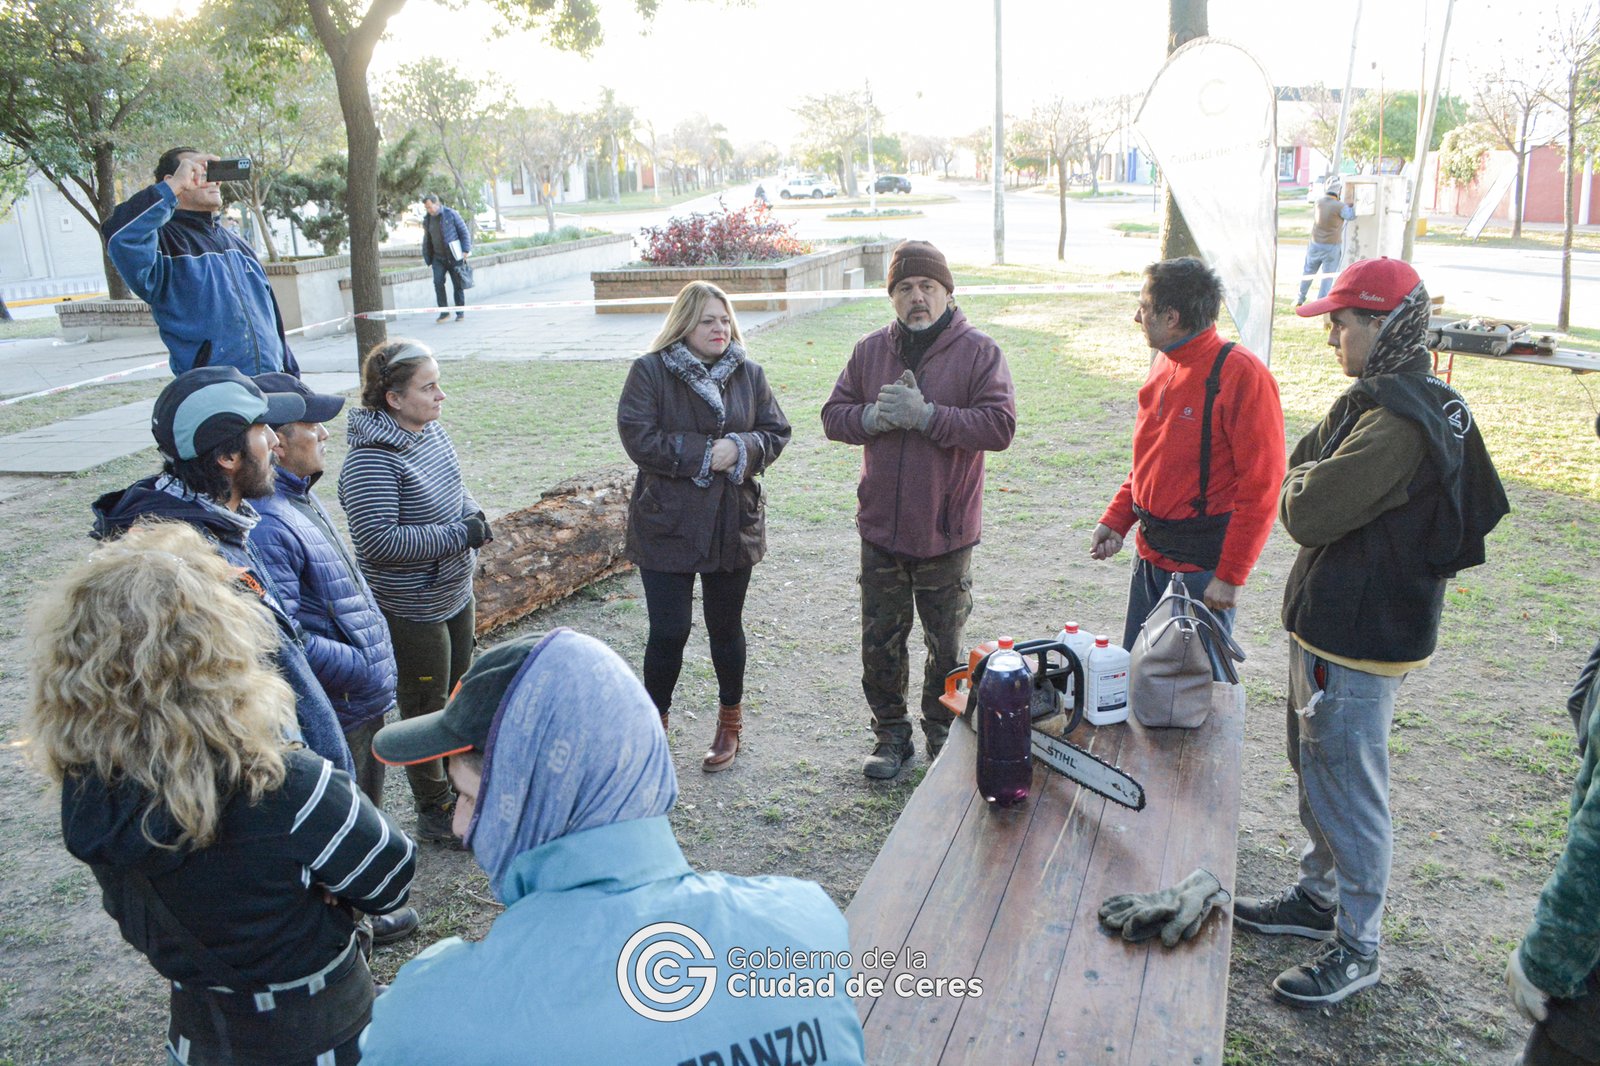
(205, 287)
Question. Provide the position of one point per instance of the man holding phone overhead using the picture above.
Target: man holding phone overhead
(205, 287)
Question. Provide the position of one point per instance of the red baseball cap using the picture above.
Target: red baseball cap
(1368, 285)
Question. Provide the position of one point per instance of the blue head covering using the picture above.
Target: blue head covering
(576, 744)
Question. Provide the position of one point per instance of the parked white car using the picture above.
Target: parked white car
(810, 186)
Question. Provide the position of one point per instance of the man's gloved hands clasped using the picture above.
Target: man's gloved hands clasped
(1175, 913)
(901, 406)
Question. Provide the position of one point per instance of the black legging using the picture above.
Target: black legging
(669, 599)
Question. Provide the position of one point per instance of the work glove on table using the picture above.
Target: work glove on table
(1175, 913)
(900, 404)
(1530, 1000)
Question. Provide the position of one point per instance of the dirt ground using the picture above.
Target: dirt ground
(1483, 761)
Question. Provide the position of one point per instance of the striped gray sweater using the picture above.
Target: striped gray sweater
(406, 505)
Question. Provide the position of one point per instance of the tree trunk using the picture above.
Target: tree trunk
(544, 553)
(261, 224)
(1061, 199)
(1522, 168)
(5, 312)
(105, 201)
(361, 202)
(1186, 20)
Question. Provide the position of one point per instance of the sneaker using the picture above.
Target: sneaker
(397, 925)
(887, 759)
(460, 315)
(433, 826)
(1334, 972)
(1289, 913)
(444, 317)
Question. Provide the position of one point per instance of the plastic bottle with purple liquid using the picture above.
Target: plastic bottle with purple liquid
(1005, 748)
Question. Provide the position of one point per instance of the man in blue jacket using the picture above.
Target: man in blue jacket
(205, 287)
(211, 425)
(446, 241)
(316, 580)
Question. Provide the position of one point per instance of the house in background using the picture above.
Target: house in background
(1542, 201)
(47, 248)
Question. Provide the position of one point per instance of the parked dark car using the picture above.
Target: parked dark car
(891, 183)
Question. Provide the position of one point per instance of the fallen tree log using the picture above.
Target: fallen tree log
(544, 553)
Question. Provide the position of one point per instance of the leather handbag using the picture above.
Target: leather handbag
(463, 271)
(1170, 673)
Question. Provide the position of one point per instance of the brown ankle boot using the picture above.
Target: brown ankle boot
(725, 745)
(663, 721)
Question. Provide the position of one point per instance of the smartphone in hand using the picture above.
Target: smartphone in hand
(228, 169)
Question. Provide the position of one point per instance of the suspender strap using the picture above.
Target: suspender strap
(1213, 387)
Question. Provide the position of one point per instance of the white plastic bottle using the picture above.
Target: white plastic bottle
(1081, 644)
(1106, 671)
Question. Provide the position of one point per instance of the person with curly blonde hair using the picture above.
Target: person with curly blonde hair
(233, 858)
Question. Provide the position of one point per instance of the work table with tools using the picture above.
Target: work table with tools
(1006, 899)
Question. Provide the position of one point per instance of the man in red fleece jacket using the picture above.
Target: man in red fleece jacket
(1203, 512)
(925, 396)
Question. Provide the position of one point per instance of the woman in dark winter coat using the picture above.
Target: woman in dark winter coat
(235, 860)
(697, 416)
(416, 530)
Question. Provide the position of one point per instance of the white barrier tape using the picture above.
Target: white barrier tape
(1047, 288)
(103, 378)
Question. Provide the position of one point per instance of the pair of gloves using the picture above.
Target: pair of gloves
(899, 406)
(1175, 913)
(478, 531)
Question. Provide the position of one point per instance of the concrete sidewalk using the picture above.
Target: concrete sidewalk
(494, 331)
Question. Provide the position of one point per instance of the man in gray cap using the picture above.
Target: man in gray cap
(213, 428)
(926, 396)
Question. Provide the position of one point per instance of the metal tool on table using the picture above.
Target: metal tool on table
(1057, 664)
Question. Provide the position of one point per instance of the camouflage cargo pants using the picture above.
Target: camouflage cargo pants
(940, 589)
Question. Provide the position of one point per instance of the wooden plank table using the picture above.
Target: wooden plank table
(1008, 898)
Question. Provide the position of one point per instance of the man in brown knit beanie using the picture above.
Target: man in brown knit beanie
(925, 396)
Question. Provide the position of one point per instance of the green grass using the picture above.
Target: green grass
(31, 414)
(1137, 227)
(1498, 235)
(25, 328)
(539, 240)
(859, 214)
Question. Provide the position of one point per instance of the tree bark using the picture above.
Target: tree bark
(1568, 213)
(571, 538)
(1186, 20)
(1061, 199)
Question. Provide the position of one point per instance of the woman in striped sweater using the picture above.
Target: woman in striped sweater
(234, 860)
(416, 530)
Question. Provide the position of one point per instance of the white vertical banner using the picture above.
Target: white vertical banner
(1210, 122)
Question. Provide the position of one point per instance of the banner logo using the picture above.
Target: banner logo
(654, 979)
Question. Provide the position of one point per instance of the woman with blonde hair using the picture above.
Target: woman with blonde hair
(416, 530)
(233, 859)
(697, 417)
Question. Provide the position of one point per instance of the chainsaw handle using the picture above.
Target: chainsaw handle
(1042, 647)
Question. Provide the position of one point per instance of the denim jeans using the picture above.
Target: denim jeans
(440, 270)
(1322, 258)
(1339, 748)
(1147, 585)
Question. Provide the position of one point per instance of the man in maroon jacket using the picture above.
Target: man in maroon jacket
(926, 395)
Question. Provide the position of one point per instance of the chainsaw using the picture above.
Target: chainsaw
(1056, 664)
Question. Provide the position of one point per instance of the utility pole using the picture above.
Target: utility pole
(1344, 101)
(872, 170)
(998, 176)
(1425, 138)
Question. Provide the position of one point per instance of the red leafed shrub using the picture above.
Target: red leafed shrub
(722, 238)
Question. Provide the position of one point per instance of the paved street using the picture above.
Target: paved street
(1490, 282)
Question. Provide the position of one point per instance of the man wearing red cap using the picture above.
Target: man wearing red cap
(1388, 497)
(926, 395)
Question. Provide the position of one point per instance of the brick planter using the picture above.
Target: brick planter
(807, 273)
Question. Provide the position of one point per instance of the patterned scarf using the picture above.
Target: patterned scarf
(575, 744)
(1401, 346)
(707, 382)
